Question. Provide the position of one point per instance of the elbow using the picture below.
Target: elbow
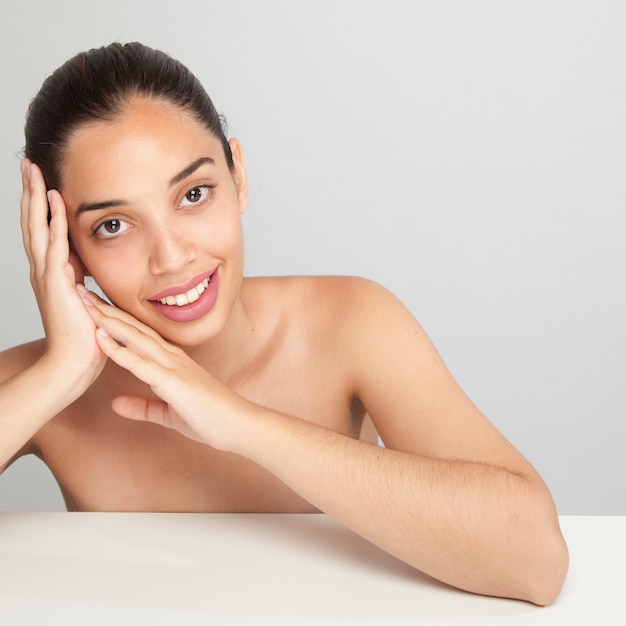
(549, 572)
(534, 571)
(544, 561)
(533, 559)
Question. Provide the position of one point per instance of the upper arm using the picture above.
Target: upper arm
(28, 448)
(412, 398)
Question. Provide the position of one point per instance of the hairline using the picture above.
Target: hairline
(117, 110)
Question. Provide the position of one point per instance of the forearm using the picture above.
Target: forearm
(474, 526)
(478, 526)
(28, 400)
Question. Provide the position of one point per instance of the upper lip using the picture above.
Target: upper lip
(179, 289)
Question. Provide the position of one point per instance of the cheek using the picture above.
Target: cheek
(118, 286)
(220, 236)
(114, 274)
(231, 235)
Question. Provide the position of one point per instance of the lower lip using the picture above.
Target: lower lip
(195, 310)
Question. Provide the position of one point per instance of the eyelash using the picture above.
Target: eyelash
(100, 228)
(206, 188)
(205, 191)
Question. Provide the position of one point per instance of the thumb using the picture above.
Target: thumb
(80, 271)
(142, 409)
(155, 411)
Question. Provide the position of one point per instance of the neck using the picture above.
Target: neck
(235, 344)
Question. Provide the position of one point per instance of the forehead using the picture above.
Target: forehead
(148, 139)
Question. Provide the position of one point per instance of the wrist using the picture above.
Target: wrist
(63, 378)
(262, 433)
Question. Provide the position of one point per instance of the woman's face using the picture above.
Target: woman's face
(154, 214)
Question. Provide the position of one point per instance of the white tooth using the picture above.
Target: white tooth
(192, 295)
(186, 298)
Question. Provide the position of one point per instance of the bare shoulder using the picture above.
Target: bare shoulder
(397, 374)
(372, 327)
(320, 296)
(357, 310)
(345, 312)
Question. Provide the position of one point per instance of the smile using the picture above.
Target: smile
(191, 301)
(183, 299)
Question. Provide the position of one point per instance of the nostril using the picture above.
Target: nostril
(170, 253)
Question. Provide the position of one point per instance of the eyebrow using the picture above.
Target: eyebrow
(190, 169)
(98, 206)
(83, 207)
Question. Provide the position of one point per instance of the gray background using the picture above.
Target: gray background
(468, 155)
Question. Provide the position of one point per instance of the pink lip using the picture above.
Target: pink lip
(174, 291)
(195, 310)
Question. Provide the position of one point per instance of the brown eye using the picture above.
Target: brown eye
(197, 194)
(111, 228)
(194, 195)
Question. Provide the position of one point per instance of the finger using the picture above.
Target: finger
(155, 411)
(140, 339)
(24, 203)
(141, 409)
(37, 217)
(58, 248)
(103, 310)
(77, 266)
(143, 366)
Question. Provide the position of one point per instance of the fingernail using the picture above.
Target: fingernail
(103, 332)
(82, 288)
(25, 167)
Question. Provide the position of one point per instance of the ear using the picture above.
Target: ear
(239, 174)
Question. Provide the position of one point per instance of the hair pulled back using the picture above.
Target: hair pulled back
(95, 85)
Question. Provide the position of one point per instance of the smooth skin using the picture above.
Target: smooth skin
(267, 402)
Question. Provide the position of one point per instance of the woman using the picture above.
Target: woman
(201, 390)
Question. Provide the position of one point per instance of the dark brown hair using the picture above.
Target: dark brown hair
(95, 85)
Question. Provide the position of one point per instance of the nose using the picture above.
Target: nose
(170, 250)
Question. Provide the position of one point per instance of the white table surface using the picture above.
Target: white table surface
(127, 568)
